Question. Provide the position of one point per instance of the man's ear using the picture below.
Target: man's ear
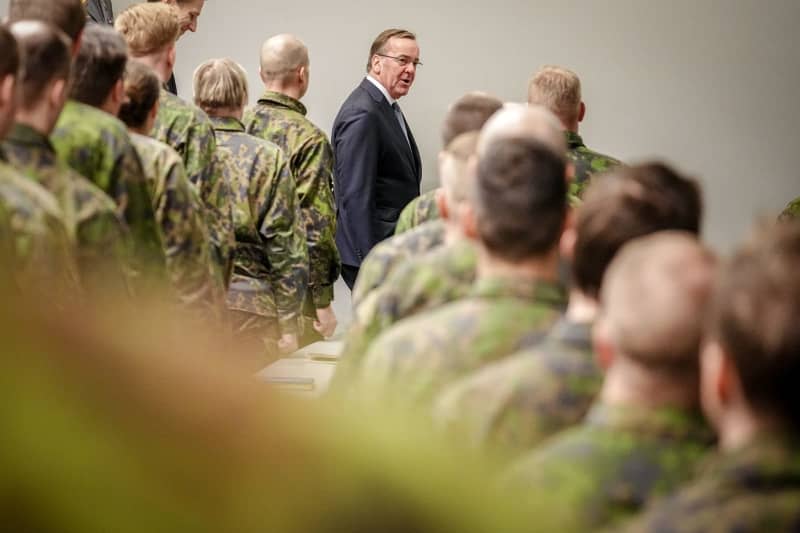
(602, 344)
(441, 203)
(581, 112)
(468, 221)
(8, 92)
(376, 64)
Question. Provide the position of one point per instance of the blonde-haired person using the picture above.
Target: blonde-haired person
(151, 30)
(270, 272)
(559, 90)
(189, 12)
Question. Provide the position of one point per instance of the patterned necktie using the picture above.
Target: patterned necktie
(399, 115)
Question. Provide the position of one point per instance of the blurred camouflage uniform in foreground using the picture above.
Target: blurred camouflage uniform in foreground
(281, 119)
(421, 209)
(587, 163)
(792, 210)
(270, 259)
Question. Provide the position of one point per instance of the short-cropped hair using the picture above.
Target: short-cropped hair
(69, 16)
(149, 28)
(44, 55)
(628, 203)
(755, 318)
(142, 88)
(558, 89)
(520, 198)
(220, 84)
(468, 113)
(99, 66)
(9, 59)
(379, 44)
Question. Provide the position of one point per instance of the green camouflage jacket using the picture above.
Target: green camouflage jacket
(188, 130)
(587, 164)
(391, 253)
(281, 119)
(179, 213)
(607, 469)
(270, 259)
(421, 209)
(754, 489)
(98, 147)
(33, 236)
(512, 405)
(792, 210)
(442, 275)
(101, 240)
(416, 358)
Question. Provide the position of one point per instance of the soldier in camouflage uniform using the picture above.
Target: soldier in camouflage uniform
(559, 90)
(94, 228)
(271, 259)
(421, 209)
(645, 434)
(750, 366)
(151, 30)
(179, 210)
(519, 185)
(467, 114)
(514, 404)
(792, 210)
(280, 117)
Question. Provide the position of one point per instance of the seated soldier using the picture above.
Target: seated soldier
(35, 254)
(792, 210)
(750, 367)
(178, 209)
(270, 276)
(470, 109)
(448, 272)
(645, 434)
(468, 113)
(520, 210)
(151, 30)
(97, 234)
(88, 137)
(511, 405)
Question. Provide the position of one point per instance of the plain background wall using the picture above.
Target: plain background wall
(709, 85)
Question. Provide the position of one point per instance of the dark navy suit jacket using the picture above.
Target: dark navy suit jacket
(100, 11)
(376, 171)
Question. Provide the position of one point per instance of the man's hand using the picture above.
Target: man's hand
(325, 324)
(288, 343)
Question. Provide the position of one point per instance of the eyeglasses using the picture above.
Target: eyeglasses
(403, 60)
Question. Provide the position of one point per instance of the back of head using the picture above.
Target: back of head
(45, 57)
(380, 42)
(9, 59)
(525, 122)
(455, 175)
(559, 90)
(281, 56)
(628, 203)
(220, 85)
(69, 16)
(655, 298)
(99, 65)
(149, 28)
(520, 199)
(755, 319)
(142, 89)
(468, 113)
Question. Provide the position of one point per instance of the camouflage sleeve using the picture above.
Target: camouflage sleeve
(406, 219)
(185, 237)
(373, 272)
(420, 210)
(314, 178)
(280, 226)
(217, 197)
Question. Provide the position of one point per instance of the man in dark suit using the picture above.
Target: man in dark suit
(378, 167)
(100, 11)
(188, 13)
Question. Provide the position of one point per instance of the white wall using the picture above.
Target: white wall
(709, 85)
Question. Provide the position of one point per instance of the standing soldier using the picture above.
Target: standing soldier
(151, 30)
(280, 117)
(270, 259)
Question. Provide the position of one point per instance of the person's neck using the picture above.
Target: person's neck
(140, 130)
(539, 268)
(452, 232)
(629, 384)
(159, 66)
(235, 114)
(582, 309)
(740, 426)
(38, 119)
(291, 91)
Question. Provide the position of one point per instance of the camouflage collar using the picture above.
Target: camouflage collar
(544, 292)
(664, 422)
(573, 140)
(577, 334)
(769, 460)
(272, 98)
(24, 134)
(227, 124)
